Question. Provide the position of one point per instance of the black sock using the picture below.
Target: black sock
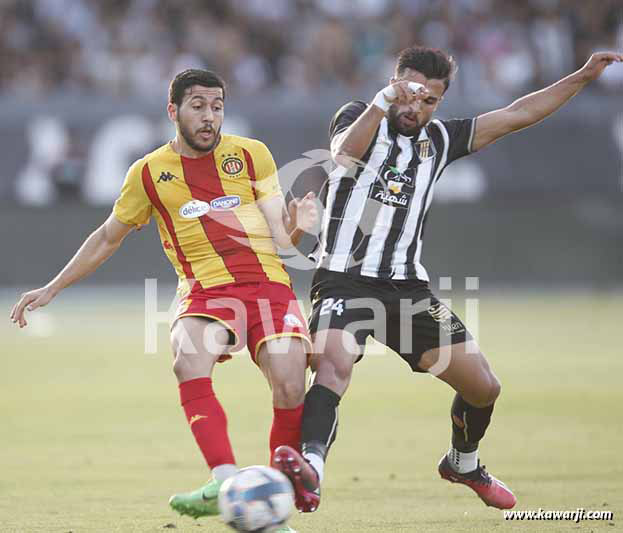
(319, 420)
(469, 424)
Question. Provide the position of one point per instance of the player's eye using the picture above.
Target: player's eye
(217, 108)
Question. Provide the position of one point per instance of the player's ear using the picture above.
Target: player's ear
(172, 111)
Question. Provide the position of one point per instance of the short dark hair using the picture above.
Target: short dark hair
(193, 76)
(431, 62)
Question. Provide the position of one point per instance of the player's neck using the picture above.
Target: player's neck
(179, 146)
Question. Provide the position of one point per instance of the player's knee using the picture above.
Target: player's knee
(289, 393)
(334, 371)
(487, 393)
(190, 366)
(495, 389)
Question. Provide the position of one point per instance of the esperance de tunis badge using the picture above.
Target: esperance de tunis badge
(232, 165)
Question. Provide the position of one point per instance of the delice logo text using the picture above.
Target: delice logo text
(223, 203)
(194, 209)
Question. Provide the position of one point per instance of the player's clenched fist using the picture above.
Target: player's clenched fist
(400, 92)
(304, 212)
(31, 300)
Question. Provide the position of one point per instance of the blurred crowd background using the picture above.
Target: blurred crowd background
(123, 47)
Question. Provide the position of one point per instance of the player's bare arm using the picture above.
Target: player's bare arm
(98, 247)
(534, 107)
(349, 147)
(288, 225)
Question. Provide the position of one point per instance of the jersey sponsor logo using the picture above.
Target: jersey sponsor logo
(224, 203)
(394, 200)
(452, 327)
(166, 176)
(292, 321)
(194, 209)
(393, 174)
(394, 187)
(232, 166)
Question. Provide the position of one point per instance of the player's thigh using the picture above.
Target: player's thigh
(197, 344)
(418, 324)
(465, 368)
(339, 326)
(283, 361)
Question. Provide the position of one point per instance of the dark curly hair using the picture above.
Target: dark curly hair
(193, 76)
(431, 62)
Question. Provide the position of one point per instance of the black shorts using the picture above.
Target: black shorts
(401, 314)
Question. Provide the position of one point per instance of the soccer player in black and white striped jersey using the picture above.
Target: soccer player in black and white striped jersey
(389, 155)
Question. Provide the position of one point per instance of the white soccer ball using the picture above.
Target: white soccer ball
(258, 499)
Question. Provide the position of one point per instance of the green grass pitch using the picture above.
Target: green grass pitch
(93, 438)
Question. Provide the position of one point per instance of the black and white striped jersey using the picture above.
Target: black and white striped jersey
(375, 212)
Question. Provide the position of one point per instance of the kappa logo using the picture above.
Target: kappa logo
(439, 312)
(232, 165)
(194, 209)
(166, 176)
(292, 321)
(195, 418)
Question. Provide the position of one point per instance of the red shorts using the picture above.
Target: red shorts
(252, 312)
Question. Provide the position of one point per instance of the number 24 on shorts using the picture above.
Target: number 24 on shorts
(330, 304)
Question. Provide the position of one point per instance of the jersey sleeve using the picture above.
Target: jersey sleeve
(460, 137)
(133, 207)
(345, 116)
(266, 177)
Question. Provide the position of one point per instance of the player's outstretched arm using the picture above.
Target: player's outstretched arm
(536, 106)
(349, 147)
(98, 247)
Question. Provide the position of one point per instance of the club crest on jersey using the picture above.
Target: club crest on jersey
(424, 149)
(439, 312)
(224, 203)
(194, 209)
(232, 165)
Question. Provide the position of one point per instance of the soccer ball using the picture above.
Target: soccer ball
(258, 499)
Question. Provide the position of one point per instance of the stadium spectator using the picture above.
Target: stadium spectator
(133, 46)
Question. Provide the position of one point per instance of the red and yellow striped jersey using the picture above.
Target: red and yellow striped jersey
(210, 226)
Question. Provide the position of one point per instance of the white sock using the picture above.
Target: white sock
(222, 472)
(462, 462)
(317, 462)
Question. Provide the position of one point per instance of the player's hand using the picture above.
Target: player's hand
(304, 212)
(597, 63)
(400, 92)
(31, 300)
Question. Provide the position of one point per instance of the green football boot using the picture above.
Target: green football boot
(285, 529)
(198, 503)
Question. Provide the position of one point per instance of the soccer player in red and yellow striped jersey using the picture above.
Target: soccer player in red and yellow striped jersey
(220, 214)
